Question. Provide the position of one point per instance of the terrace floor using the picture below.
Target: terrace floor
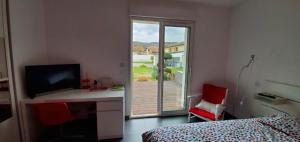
(144, 97)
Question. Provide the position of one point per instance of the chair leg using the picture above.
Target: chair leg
(189, 118)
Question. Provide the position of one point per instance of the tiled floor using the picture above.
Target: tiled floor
(135, 127)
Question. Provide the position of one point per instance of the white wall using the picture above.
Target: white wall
(164, 8)
(27, 37)
(270, 30)
(209, 53)
(94, 33)
(210, 40)
(28, 43)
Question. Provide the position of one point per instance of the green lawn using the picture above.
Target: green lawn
(147, 62)
(176, 69)
(144, 71)
(141, 71)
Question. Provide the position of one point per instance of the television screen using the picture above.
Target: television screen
(45, 78)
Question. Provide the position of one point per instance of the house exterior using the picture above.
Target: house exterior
(178, 54)
(138, 49)
(175, 48)
(152, 50)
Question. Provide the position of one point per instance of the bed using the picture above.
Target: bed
(275, 128)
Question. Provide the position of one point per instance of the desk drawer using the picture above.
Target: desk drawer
(109, 105)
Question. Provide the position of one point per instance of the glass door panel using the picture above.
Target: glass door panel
(174, 84)
(144, 69)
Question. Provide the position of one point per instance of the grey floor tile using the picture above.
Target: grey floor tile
(132, 138)
(134, 128)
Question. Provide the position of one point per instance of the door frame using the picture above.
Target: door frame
(162, 23)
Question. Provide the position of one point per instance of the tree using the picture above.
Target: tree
(167, 56)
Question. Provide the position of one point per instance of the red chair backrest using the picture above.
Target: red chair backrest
(213, 94)
(53, 113)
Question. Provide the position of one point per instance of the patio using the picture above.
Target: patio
(144, 97)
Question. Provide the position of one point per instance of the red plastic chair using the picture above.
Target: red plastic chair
(55, 114)
(50, 114)
(212, 94)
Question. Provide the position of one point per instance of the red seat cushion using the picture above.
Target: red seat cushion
(53, 113)
(204, 113)
(213, 94)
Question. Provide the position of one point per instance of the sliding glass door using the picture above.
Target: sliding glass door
(175, 68)
(159, 66)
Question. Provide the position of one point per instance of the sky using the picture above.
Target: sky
(149, 32)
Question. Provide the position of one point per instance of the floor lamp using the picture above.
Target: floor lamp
(251, 61)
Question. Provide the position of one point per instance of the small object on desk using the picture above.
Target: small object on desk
(86, 83)
(97, 86)
(105, 82)
(272, 98)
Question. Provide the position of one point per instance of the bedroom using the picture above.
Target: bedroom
(97, 35)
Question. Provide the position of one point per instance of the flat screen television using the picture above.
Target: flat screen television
(46, 78)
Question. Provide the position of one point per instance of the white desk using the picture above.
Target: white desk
(109, 105)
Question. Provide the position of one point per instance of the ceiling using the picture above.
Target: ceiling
(228, 3)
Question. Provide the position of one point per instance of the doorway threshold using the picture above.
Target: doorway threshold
(143, 116)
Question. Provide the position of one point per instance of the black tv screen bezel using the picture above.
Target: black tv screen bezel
(32, 93)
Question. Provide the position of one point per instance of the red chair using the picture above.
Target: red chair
(215, 96)
(55, 114)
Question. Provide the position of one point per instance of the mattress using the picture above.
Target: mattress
(229, 130)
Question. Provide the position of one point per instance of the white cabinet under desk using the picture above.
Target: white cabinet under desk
(109, 110)
(110, 119)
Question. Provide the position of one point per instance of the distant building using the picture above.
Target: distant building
(175, 48)
(178, 55)
(138, 49)
(142, 53)
(152, 50)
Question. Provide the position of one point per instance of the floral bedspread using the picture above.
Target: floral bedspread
(230, 130)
